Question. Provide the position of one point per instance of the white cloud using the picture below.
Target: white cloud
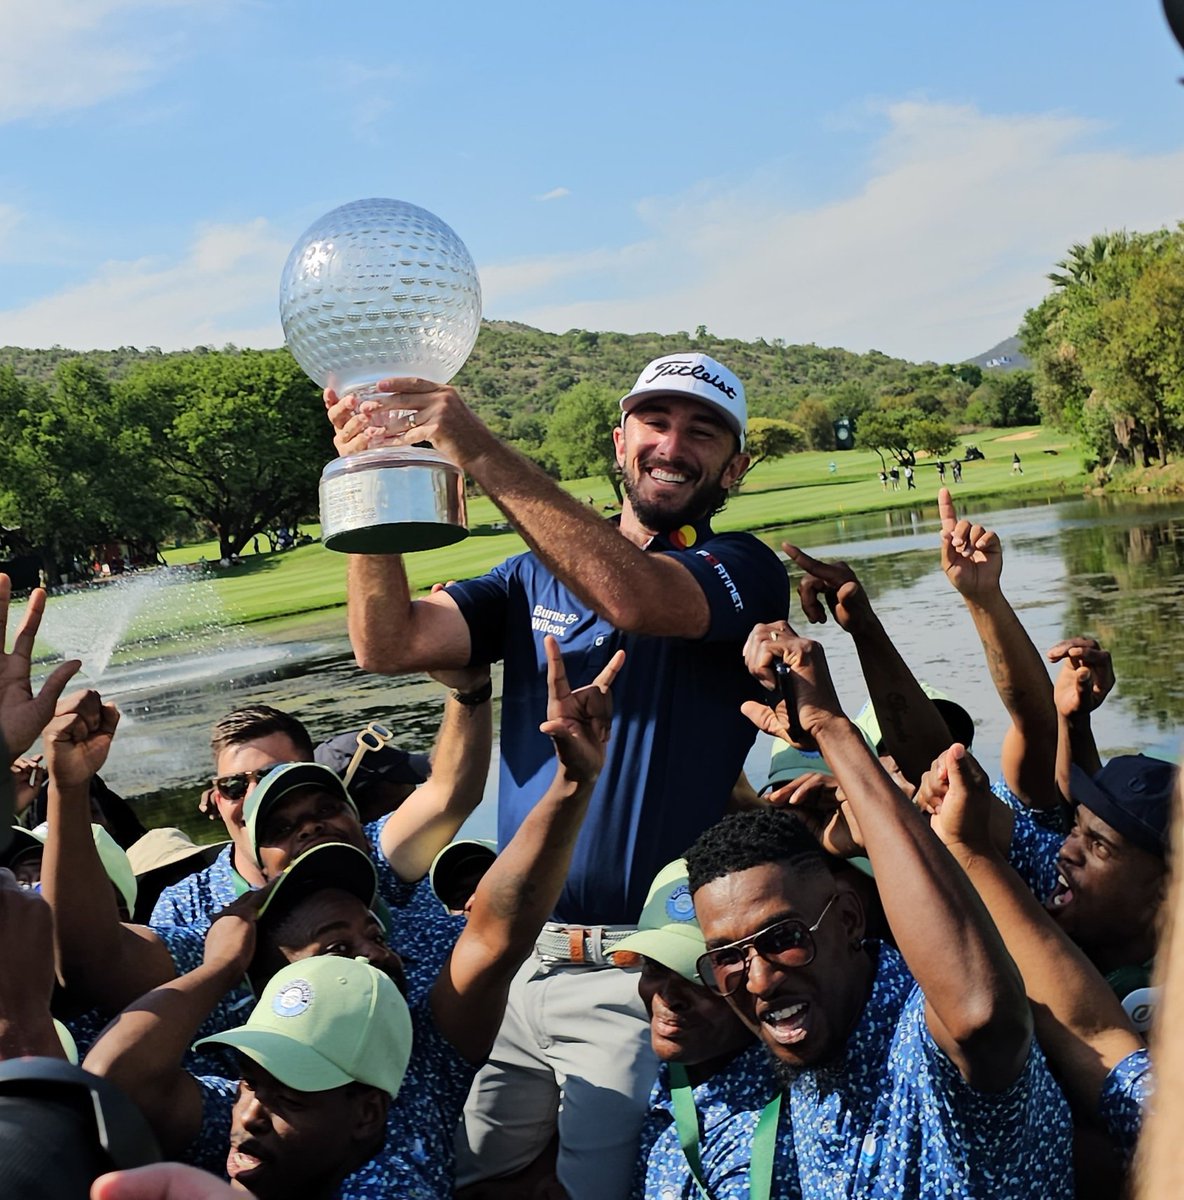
(935, 255)
(225, 289)
(554, 194)
(61, 55)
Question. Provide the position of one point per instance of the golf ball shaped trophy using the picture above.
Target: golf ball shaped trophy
(373, 290)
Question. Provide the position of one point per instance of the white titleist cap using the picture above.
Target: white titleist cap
(697, 377)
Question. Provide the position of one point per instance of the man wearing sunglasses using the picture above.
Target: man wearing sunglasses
(249, 742)
(908, 1071)
(107, 964)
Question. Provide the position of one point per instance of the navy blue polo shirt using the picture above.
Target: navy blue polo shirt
(679, 739)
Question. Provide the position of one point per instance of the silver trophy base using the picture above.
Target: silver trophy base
(392, 501)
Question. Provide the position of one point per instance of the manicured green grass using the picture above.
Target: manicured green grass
(800, 487)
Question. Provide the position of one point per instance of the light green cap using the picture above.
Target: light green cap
(69, 1045)
(115, 863)
(957, 719)
(324, 1022)
(281, 781)
(788, 763)
(668, 931)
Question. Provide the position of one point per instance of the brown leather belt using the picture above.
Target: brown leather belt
(584, 945)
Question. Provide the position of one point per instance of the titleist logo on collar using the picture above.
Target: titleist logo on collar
(695, 371)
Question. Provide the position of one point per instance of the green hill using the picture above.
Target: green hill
(516, 370)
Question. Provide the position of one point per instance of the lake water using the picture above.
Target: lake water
(1109, 569)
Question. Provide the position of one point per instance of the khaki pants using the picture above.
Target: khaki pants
(573, 1050)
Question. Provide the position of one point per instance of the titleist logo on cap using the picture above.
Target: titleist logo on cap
(694, 370)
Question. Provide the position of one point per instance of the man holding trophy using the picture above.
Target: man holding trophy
(680, 599)
(381, 304)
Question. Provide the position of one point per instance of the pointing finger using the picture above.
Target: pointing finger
(946, 509)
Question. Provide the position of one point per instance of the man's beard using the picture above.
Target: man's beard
(706, 499)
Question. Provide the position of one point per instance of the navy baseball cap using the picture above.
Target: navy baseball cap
(387, 764)
(1133, 795)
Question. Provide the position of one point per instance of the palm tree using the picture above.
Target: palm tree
(1081, 264)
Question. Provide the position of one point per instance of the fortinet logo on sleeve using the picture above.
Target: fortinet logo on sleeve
(725, 578)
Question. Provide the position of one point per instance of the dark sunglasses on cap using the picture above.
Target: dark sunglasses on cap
(236, 786)
(788, 943)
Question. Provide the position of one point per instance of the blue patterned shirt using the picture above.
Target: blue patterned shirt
(729, 1105)
(423, 932)
(896, 1118)
(1057, 820)
(1126, 1094)
(1034, 847)
(417, 1161)
(187, 949)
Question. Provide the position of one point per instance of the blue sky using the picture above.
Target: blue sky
(855, 173)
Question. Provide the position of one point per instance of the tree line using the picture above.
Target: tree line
(142, 446)
(228, 443)
(1107, 345)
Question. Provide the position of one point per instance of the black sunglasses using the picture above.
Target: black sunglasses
(236, 786)
(788, 943)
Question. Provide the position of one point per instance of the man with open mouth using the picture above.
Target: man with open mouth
(906, 1071)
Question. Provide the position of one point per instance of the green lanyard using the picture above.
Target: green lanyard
(764, 1141)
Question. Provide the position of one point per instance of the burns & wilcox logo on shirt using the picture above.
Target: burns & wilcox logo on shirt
(552, 620)
(725, 578)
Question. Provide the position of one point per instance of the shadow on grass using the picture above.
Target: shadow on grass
(252, 564)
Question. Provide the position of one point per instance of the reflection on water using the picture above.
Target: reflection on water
(1108, 569)
(1083, 566)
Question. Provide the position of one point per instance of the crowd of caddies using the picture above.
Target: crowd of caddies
(893, 972)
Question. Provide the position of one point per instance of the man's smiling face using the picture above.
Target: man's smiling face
(678, 457)
(688, 1024)
(304, 818)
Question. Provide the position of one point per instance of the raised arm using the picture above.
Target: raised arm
(1080, 1023)
(26, 978)
(431, 816)
(143, 1048)
(972, 559)
(521, 888)
(100, 960)
(392, 634)
(910, 724)
(975, 1003)
(635, 591)
(22, 715)
(1085, 680)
